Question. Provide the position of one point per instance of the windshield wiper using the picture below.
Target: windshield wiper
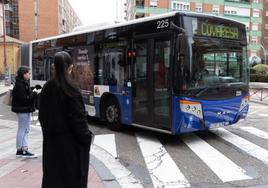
(212, 86)
(201, 91)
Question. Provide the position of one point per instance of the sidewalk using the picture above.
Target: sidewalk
(4, 89)
(27, 173)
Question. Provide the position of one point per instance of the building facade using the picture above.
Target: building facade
(11, 18)
(265, 30)
(40, 19)
(249, 12)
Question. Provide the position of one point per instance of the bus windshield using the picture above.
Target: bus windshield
(214, 61)
(217, 55)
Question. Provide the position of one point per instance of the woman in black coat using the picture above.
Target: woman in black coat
(66, 136)
(23, 104)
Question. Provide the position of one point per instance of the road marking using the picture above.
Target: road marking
(8, 123)
(162, 169)
(255, 131)
(264, 115)
(250, 148)
(106, 142)
(11, 166)
(255, 111)
(123, 176)
(215, 160)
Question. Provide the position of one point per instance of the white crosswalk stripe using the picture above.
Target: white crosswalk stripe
(255, 131)
(214, 159)
(249, 147)
(159, 162)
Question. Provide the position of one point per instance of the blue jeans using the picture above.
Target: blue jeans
(24, 120)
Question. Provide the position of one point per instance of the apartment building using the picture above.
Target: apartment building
(39, 19)
(249, 12)
(35, 19)
(264, 40)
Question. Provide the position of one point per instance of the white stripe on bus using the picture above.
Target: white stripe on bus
(215, 160)
(162, 169)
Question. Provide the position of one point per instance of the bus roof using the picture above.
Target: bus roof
(140, 20)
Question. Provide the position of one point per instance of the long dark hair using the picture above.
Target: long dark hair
(21, 71)
(62, 62)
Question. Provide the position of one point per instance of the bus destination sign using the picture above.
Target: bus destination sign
(217, 30)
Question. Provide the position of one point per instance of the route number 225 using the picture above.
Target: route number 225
(162, 24)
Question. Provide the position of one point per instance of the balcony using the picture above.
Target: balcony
(8, 7)
(238, 1)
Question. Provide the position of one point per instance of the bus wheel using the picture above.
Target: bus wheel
(112, 115)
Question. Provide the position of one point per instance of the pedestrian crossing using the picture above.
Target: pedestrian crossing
(163, 169)
(159, 162)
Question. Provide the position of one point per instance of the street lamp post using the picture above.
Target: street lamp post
(264, 53)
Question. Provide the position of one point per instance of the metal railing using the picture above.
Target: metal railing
(258, 91)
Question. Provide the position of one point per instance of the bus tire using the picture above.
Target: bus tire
(112, 114)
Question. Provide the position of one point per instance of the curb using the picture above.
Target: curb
(108, 180)
(2, 94)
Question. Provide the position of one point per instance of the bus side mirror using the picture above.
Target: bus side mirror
(180, 30)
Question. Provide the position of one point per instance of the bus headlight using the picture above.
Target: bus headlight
(244, 102)
(194, 108)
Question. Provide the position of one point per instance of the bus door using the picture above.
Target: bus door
(152, 93)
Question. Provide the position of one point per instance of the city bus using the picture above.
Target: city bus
(175, 73)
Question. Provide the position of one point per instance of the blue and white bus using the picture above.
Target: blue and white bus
(175, 73)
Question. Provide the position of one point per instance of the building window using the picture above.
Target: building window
(215, 9)
(198, 7)
(266, 26)
(140, 3)
(176, 5)
(153, 3)
(254, 40)
(256, 13)
(255, 27)
(229, 10)
(35, 6)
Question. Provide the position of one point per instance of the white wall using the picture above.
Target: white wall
(120, 14)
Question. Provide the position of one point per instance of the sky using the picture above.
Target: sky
(94, 11)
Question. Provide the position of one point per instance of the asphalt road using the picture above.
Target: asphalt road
(212, 159)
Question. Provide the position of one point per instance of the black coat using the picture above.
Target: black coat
(66, 138)
(23, 98)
